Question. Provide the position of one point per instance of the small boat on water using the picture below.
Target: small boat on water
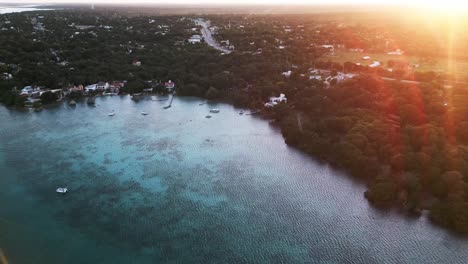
(144, 113)
(241, 112)
(62, 190)
(167, 106)
(208, 116)
(214, 110)
(111, 113)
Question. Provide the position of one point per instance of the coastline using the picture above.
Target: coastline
(272, 118)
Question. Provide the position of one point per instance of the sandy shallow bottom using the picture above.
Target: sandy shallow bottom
(176, 187)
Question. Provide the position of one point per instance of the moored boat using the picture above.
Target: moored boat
(62, 190)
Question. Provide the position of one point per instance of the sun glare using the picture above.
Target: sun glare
(451, 6)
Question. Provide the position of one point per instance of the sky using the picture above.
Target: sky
(284, 2)
(433, 4)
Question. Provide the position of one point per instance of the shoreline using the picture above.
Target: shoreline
(323, 159)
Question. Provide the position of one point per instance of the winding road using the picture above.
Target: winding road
(208, 35)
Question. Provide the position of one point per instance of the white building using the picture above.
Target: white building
(195, 39)
(331, 47)
(375, 64)
(287, 74)
(315, 77)
(102, 85)
(27, 90)
(275, 100)
(91, 87)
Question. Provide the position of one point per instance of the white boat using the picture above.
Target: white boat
(144, 113)
(62, 190)
(111, 113)
(214, 110)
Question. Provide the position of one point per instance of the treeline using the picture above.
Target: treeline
(408, 142)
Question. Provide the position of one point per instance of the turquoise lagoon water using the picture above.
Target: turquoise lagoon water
(176, 187)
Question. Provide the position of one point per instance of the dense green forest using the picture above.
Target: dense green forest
(408, 142)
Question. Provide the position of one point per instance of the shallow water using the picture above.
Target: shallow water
(176, 187)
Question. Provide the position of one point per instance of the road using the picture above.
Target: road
(403, 81)
(208, 35)
(412, 82)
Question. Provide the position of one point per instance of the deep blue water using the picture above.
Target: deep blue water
(176, 187)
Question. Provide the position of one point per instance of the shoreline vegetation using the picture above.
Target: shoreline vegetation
(406, 140)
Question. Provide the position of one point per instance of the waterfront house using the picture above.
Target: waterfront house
(280, 99)
(27, 90)
(78, 88)
(136, 63)
(59, 92)
(115, 86)
(91, 87)
(102, 85)
(275, 100)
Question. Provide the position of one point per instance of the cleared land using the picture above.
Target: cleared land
(459, 67)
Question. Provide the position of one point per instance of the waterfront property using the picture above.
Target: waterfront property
(276, 100)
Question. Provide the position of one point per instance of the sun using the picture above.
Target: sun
(450, 6)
